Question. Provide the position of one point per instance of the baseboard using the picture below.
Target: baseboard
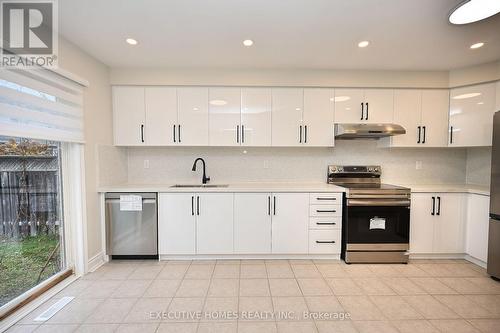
(249, 256)
(475, 261)
(95, 262)
(437, 256)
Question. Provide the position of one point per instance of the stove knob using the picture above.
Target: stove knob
(370, 169)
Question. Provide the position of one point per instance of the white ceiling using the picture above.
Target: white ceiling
(306, 34)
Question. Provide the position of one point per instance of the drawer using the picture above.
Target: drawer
(325, 210)
(325, 198)
(334, 222)
(324, 241)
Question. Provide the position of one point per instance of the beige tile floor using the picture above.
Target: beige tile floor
(423, 296)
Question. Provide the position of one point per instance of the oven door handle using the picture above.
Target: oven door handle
(380, 202)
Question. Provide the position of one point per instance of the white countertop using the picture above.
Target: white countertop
(234, 187)
(287, 187)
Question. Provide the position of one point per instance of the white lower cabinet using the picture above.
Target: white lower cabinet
(477, 225)
(324, 241)
(290, 218)
(252, 223)
(214, 223)
(176, 223)
(437, 223)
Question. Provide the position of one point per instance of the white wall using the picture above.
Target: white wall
(173, 165)
(98, 127)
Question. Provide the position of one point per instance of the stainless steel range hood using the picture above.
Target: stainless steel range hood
(367, 131)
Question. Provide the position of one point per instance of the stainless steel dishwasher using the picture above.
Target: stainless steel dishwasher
(131, 225)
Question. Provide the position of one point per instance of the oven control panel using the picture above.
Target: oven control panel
(355, 169)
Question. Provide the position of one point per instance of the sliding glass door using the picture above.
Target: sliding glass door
(31, 214)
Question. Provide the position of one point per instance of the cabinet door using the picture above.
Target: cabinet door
(477, 225)
(287, 116)
(214, 223)
(193, 116)
(348, 107)
(252, 223)
(318, 117)
(161, 115)
(224, 112)
(407, 113)
(129, 116)
(449, 226)
(471, 115)
(379, 105)
(176, 223)
(290, 223)
(421, 223)
(435, 117)
(256, 116)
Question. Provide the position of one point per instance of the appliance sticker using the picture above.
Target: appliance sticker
(131, 203)
(377, 223)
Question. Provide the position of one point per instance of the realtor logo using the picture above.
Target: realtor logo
(28, 33)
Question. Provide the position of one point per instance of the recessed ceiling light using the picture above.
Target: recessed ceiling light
(470, 11)
(131, 41)
(364, 43)
(248, 42)
(477, 45)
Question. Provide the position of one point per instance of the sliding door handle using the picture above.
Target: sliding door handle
(439, 206)
(423, 128)
(433, 212)
(419, 133)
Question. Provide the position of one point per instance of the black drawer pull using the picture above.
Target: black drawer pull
(325, 211)
(325, 242)
(326, 198)
(326, 223)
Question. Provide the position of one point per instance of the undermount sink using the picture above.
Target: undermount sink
(199, 185)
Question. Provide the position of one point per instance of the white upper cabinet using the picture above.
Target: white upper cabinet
(193, 116)
(225, 116)
(424, 115)
(408, 113)
(348, 106)
(435, 104)
(379, 105)
(287, 106)
(364, 105)
(161, 116)
(129, 116)
(471, 115)
(318, 117)
(256, 116)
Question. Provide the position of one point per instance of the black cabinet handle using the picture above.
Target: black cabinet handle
(326, 199)
(300, 134)
(439, 206)
(269, 205)
(325, 242)
(142, 133)
(325, 211)
(237, 133)
(451, 134)
(179, 128)
(366, 111)
(362, 111)
(192, 205)
(423, 141)
(419, 133)
(433, 206)
(305, 134)
(197, 205)
(242, 133)
(174, 133)
(274, 205)
(326, 223)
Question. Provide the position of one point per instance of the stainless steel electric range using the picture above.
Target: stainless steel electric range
(376, 226)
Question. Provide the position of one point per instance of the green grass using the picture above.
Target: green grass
(21, 262)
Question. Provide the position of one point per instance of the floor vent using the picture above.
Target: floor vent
(55, 308)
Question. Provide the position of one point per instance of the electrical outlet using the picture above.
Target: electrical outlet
(418, 165)
(146, 164)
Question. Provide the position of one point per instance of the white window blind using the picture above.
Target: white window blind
(40, 104)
